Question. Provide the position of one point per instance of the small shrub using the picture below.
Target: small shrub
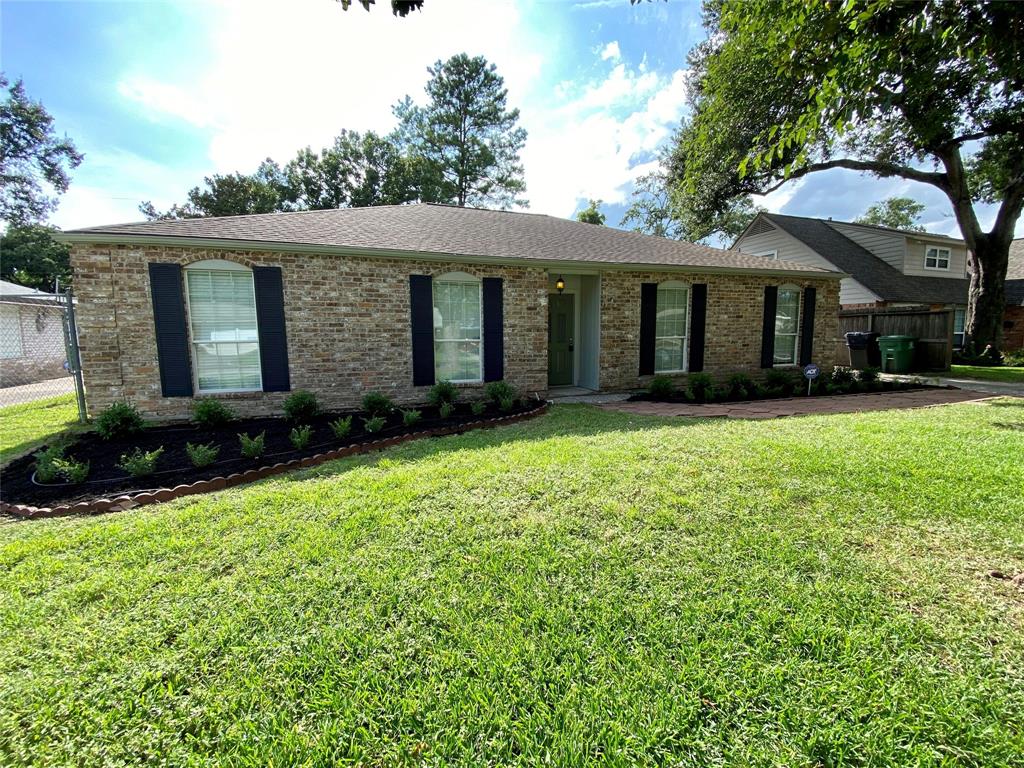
(411, 417)
(842, 376)
(374, 424)
(868, 375)
(118, 420)
(341, 426)
(71, 470)
(1014, 359)
(785, 381)
(661, 386)
(446, 410)
(500, 390)
(202, 455)
(140, 463)
(299, 437)
(46, 467)
(252, 447)
(301, 406)
(506, 403)
(207, 412)
(700, 386)
(478, 407)
(376, 404)
(741, 386)
(442, 392)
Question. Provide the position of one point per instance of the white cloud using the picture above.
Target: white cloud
(611, 51)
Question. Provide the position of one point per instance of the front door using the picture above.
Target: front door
(561, 332)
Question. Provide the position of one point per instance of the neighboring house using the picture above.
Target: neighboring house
(31, 335)
(886, 267)
(1013, 320)
(395, 298)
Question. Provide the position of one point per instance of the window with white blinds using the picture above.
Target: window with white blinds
(787, 325)
(222, 325)
(670, 328)
(457, 322)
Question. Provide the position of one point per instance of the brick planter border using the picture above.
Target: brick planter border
(219, 483)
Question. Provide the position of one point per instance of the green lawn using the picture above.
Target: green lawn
(587, 588)
(985, 373)
(24, 426)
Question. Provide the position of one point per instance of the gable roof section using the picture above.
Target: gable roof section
(1015, 274)
(872, 272)
(438, 230)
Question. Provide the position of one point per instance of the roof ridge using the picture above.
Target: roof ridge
(866, 226)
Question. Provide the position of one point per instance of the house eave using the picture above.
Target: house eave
(90, 238)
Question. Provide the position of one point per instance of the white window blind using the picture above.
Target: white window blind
(670, 330)
(457, 330)
(225, 341)
(787, 324)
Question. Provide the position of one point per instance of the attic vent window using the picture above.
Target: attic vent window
(760, 227)
(936, 258)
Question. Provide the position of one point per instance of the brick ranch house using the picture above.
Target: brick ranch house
(394, 298)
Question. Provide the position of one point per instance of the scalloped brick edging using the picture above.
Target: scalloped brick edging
(124, 502)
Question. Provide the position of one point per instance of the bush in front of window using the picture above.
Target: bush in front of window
(72, 471)
(446, 410)
(299, 436)
(661, 386)
(700, 386)
(478, 407)
(377, 404)
(374, 424)
(208, 412)
(140, 463)
(411, 417)
(252, 447)
(341, 426)
(442, 392)
(119, 420)
(301, 406)
(202, 455)
(500, 390)
(783, 381)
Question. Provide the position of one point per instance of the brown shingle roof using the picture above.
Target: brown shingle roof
(446, 230)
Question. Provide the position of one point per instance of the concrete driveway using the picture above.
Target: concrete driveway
(39, 390)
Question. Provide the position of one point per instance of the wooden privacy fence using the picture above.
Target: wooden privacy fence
(933, 329)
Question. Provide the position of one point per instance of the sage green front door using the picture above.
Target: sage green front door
(561, 333)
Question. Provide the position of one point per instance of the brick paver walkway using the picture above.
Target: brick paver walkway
(801, 406)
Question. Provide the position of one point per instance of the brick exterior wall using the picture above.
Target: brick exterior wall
(348, 325)
(1013, 329)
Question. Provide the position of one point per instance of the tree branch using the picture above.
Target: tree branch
(876, 167)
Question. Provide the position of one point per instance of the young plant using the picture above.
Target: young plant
(376, 404)
(446, 410)
(118, 420)
(842, 376)
(341, 426)
(868, 375)
(784, 381)
(46, 467)
(661, 387)
(202, 455)
(506, 404)
(252, 447)
(207, 412)
(741, 386)
(71, 470)
(442, 392)
(374, 424)
(301, 406)
(499, 390)
(299, 437)
(140, 463)
(411, 417)
(701, 386)
(478, 407)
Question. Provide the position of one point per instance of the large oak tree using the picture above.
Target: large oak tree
(932, 92)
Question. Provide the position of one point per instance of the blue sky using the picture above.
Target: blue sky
(158, 95)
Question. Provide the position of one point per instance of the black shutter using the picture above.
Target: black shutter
(807, 331)
(421, 311)
(771, 299)
(698, 320)
(270, 325)
(648, 321)
(494, 329)
(171, 330)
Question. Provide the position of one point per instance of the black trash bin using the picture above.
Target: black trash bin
(864, 351)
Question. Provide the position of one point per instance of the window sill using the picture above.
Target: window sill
(228, 393)
(671, 373)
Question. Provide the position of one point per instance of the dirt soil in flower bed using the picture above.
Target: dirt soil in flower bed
(800, 390)
(175, 468)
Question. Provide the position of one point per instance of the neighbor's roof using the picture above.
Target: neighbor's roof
(875, 274)
(1015, 274)
(12, 293)
(466, 233)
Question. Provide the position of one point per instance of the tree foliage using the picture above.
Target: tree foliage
(894, 212)
(786, 88)
(466, 137)
(591, 214)
(33, 258)
(32, 158)
(398, 7)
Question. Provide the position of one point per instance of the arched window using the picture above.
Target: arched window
(787, 325)
(672, 326)
(221, 304)
(457, 323)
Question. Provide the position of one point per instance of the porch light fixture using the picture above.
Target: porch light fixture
(560, 284)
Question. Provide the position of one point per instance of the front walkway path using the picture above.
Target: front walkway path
(975, 385)
(800, 406)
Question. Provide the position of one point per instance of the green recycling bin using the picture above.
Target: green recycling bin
(897, 353)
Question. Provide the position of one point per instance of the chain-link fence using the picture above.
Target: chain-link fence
(38, 347)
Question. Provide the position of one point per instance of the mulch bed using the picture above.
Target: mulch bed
(800, 390)
(20, 495)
